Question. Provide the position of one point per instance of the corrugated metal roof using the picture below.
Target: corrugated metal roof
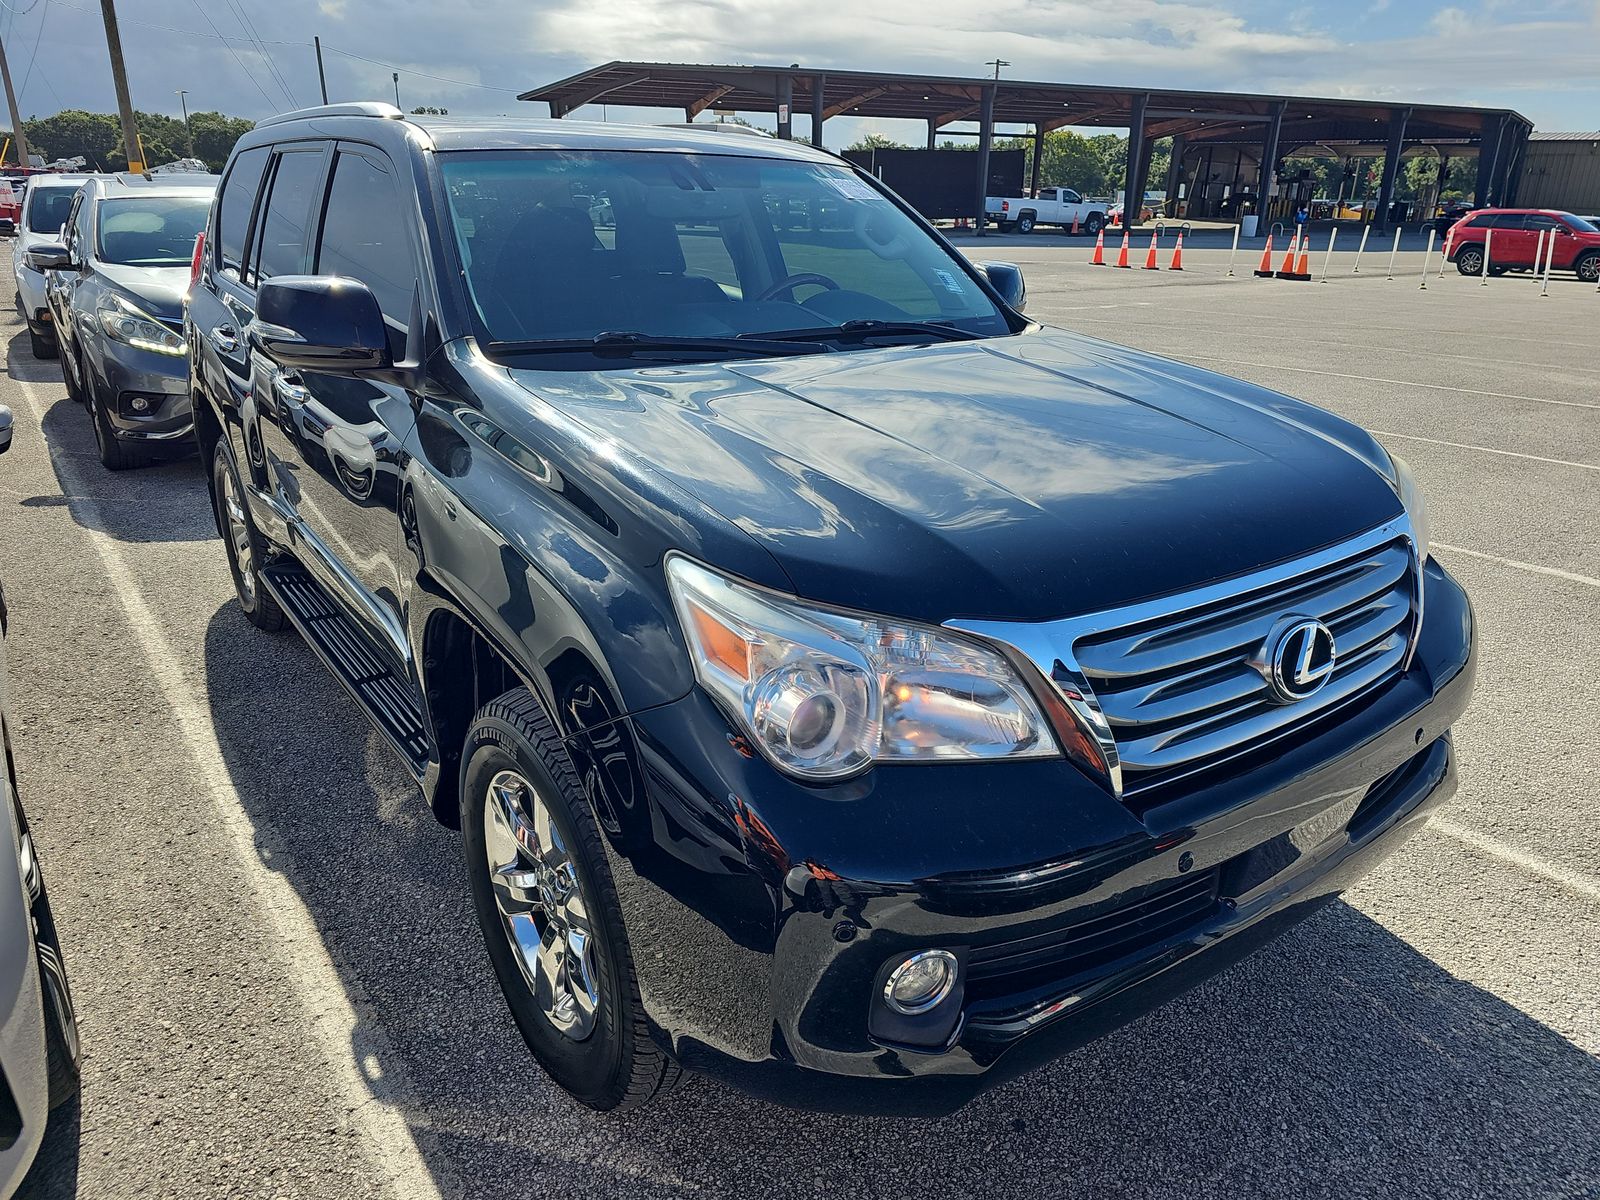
(1537, 136)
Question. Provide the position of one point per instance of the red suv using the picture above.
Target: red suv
(1516, 241)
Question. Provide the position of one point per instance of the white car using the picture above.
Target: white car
(44, 212)
(1052, 206)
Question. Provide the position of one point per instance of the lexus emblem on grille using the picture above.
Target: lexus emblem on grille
(1298, 657)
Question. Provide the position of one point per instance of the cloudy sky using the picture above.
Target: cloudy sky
(254, 57)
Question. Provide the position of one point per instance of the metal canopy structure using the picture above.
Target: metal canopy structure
(1273, 126)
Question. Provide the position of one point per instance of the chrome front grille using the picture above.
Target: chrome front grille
(1168, 687)
(1184, 690)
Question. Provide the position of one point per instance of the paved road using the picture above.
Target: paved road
(283, 991)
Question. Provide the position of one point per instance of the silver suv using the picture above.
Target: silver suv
(44, 212)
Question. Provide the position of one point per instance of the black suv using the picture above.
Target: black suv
(845, 686)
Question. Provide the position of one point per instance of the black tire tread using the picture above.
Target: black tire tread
(651, 1072)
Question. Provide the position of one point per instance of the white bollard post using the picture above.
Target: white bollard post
(1235, 252)
(1395, 249)
(1328, 257)
(1538, 253)
(1444, 257)
(1549, 257)
(1426, 255)
(1488, 236)
(1365, 231)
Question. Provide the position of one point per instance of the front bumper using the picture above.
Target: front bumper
(162, 381)
(763, 914)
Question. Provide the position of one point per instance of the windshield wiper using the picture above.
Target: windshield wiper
(866, 327)
(626, 342)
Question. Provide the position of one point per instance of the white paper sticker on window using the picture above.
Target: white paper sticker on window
(851, 187)
(951, 283)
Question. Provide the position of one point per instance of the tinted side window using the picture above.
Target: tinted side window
(1537, 221)
(282, 245)
(234, 205)
(365, 235)
(1508, 221)
(1071, 197)
(79, 232)
(1481, 221)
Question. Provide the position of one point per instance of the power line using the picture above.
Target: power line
(33, 54)
(270, 101)
(488, 87)
(249, 26)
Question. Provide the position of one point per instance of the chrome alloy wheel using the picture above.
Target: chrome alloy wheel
(542, 907)
(244, 557)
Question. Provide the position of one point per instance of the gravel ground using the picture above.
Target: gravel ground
(283, 992)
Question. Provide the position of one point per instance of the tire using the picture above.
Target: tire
(245, 549)
(584, 1022)
(1469, 260)
(69, 369)
(1094, 223)
(1588, 268)
(1025, 223)
(41, 347)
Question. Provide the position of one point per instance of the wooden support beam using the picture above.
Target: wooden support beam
(844, 106)
(706, 101)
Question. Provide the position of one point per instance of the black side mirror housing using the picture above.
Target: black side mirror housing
(6, 422)
(49, 256)
(323, 323)
(1006, 278)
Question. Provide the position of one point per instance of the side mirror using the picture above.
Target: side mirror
(1006, 278)
(320, 323)
(49, 256)
(6, 422)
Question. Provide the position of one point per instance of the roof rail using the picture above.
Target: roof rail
(360, 108)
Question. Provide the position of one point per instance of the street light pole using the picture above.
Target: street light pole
(188, 134)
(397, 89)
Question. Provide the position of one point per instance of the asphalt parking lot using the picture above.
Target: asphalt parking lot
(283, 991)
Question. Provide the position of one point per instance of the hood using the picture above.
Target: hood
(157, 290)
(1021, 478)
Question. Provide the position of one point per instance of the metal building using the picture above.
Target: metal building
(1562, 171)
(1245, 133)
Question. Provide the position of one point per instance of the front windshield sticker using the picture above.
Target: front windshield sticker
(951, 283)
(852, 187)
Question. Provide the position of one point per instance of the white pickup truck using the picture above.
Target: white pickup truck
(1053, 206)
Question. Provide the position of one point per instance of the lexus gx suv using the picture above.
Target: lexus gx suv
(844, 685)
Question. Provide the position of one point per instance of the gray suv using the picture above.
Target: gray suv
(115, 290)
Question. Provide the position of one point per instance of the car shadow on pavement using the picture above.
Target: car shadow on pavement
(1337, 1061)
(54, 1174)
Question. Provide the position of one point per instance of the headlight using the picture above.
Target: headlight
(826, 694)
(1416, 506)
(124, 322)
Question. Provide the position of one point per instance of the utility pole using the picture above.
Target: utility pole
(997, 63)
(322, 78)
(16, 117)
(119, 77)
(397, 89)
(188, 134)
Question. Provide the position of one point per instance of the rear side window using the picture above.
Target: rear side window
(48, 208)
(1482, 221)
(365, 236)
(234, 205)
(282, 245)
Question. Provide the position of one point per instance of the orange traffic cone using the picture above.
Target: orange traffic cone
(1122, 256)
(1150, 263)
(1099, 259)
(1302, 270)
(1264, 271)
(1116, 219)
(1075, 229)
(1286, 268)
(1177, 254)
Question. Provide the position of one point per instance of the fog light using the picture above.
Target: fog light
(139, 404)
(921, 982)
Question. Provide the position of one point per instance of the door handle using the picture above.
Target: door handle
(225, 338)
(288, 390)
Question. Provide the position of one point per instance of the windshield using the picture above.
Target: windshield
(1580, 224)
(151, 231)
(564, 245)
(47, 210)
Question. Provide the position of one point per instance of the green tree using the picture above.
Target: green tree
(876, 141)
(97, 137)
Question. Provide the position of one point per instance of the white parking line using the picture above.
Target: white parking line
(1560, 462)
(365, 1067)
(1557, 572)
(1579, 882)
(1410, 383)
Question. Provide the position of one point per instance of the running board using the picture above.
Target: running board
(390, 701)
